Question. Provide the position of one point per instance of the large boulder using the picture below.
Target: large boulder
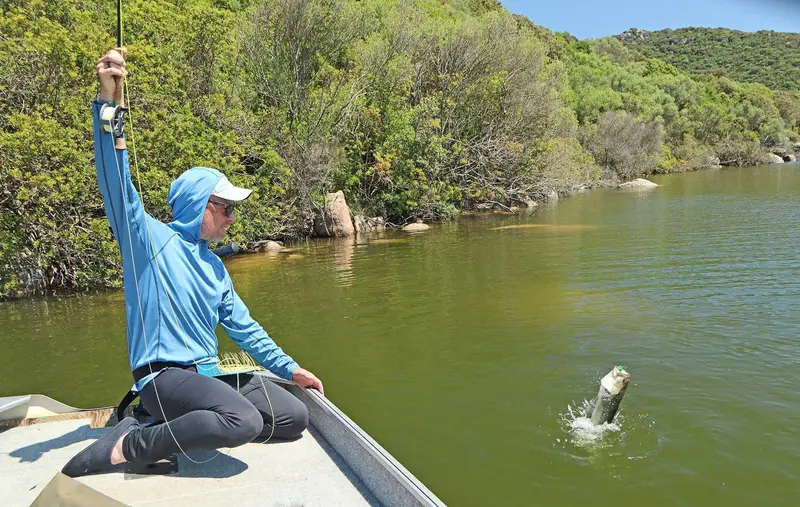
(335, 219)
(774, 159)
(638, 183)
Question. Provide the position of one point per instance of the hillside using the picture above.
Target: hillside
(770, 58)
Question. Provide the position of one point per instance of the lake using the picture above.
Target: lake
(466, 350)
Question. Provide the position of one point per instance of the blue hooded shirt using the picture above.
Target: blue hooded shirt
(176, 289)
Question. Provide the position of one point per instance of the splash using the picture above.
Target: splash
(627, 439)
(576, 422)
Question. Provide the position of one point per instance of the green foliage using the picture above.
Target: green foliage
(414, 109)
(767, 57)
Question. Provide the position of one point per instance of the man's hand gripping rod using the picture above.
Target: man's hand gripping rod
(113, 116)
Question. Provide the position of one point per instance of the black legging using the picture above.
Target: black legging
(208, 413)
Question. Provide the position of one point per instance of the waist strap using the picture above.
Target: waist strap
(143, 371)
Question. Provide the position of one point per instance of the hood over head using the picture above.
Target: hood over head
(188, 197)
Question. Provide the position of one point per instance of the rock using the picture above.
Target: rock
(774, 159)
(638, 183)
(335, 219)
(419, 226)
(712, 162)
(364, 224)
(789, 158)
(552, 196)
(267, 246)
(225, 250)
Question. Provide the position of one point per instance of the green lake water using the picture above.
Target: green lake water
(464, 349)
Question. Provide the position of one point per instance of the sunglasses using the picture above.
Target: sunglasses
(228, 207)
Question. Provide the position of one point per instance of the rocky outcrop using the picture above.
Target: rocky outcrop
(638, 183)
(774, 159)
(335, 219)
(634, 35)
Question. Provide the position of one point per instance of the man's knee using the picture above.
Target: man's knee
(296, 420)
(246, 426)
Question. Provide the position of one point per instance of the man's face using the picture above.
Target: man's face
(217, 217)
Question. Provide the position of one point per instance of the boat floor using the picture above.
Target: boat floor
(304, 472)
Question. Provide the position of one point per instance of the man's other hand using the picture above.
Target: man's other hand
(111, 72)
(306, 379)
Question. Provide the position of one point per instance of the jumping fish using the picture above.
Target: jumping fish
(605, 406)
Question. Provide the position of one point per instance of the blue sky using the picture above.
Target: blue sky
(588, 19)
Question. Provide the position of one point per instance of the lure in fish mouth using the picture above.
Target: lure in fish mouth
(605, 406)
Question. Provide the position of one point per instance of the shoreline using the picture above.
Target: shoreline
(290, 246)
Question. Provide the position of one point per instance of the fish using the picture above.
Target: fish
(613, 386)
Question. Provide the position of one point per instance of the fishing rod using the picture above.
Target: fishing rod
(113, 115)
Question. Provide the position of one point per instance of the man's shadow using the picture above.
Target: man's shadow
(198, 464)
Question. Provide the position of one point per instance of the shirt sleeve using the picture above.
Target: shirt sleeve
(235, 319)
(121, 200)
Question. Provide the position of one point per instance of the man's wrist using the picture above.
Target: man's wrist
(104, 100)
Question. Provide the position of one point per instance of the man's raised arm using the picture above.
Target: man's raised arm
(121, 200)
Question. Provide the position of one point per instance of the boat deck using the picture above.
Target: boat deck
(333, 463)
(306, 471)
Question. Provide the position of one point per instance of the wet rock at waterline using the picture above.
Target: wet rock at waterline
(366, 224)
(226, 250)
(267, 246)
(335, 219)
(790, 158)
(416, 227)
(774, 159)
(638, 183)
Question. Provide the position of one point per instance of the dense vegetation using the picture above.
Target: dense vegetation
(414, 109)
(766, 57)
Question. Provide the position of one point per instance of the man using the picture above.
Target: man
(176, 292)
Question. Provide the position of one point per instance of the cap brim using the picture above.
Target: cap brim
(234, 193)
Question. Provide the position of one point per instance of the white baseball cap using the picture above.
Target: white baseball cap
(228, 191)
